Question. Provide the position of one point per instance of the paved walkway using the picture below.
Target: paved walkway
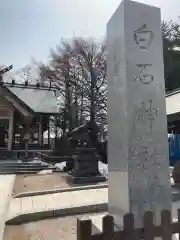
(6, 186)
(57, 201)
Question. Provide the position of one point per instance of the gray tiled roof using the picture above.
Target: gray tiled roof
(39, 100)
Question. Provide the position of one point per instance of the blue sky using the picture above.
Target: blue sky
(30, 28)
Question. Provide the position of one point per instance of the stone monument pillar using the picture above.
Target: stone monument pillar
(137, 128)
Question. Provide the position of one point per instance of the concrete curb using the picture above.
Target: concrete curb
(6, 208)
(60, 190)
(54, 213)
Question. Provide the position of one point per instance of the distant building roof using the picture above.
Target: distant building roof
(40, 100)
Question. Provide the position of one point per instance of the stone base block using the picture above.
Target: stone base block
(82, 180)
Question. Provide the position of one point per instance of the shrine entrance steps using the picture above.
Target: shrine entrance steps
(19, 167)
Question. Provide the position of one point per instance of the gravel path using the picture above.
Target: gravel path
(38, 182)
(54, 229)
(51, 229)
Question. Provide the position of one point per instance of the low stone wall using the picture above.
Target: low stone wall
(6, 187)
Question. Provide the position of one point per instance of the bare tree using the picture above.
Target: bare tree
(78, 69)
(89, 59)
